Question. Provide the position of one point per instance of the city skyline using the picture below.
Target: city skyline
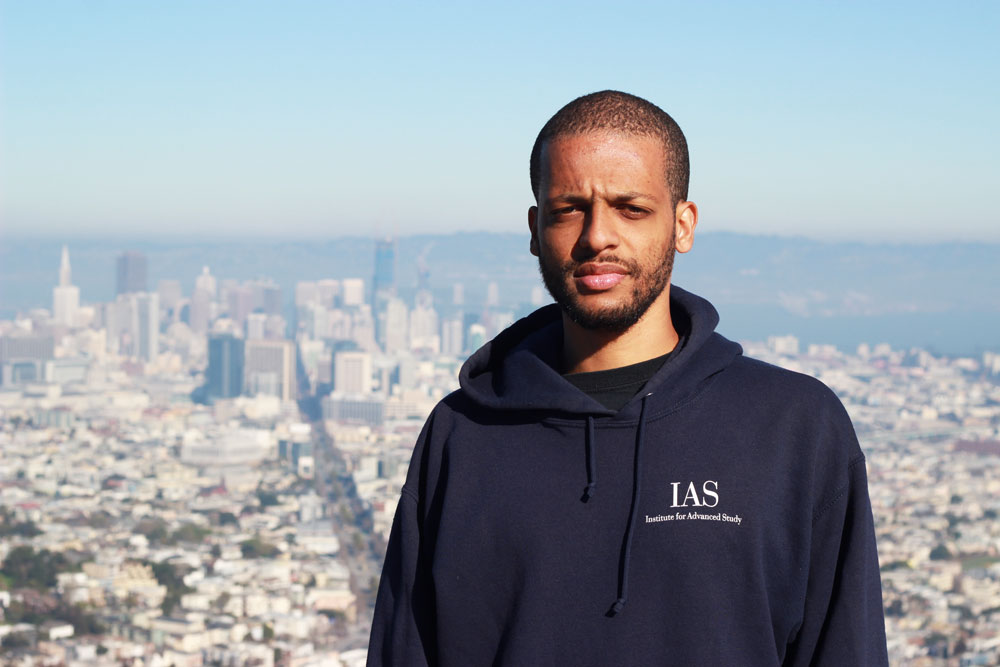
(822, 292)
(305, 121)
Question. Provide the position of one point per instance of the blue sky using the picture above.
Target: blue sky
(317, 119)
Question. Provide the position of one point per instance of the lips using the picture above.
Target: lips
(597, 277)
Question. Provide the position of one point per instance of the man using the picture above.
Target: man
(615, 483)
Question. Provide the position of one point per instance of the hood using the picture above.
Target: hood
(518, 370)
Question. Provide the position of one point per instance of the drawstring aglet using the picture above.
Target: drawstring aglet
(617, 607)
(588, 492)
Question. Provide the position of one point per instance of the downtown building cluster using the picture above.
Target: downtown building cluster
(198, 471)
(210, 477)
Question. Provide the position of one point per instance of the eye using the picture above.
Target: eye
(634, 212)
(564, 211)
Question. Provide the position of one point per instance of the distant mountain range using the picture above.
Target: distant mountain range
(943, 297)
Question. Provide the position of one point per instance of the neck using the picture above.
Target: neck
(587, 350)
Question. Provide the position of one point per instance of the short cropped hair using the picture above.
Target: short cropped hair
(612, 110)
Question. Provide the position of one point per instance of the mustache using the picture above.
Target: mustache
(630, 265)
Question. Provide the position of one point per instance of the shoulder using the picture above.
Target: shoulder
(780, 395)
(797, 415)
(776, 383)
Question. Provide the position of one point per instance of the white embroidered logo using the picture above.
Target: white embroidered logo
(707, 497)
(709, 494)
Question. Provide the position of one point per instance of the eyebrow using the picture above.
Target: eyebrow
(617, 198)
(624, 197)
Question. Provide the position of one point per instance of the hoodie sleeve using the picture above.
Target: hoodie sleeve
(403, 628)
(843, 622)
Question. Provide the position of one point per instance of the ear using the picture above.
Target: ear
(685, 220)
(533, 226)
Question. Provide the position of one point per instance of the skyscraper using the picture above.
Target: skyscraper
(133, 324)
(352, 372)
(202, 300)
(131, 273)
(267, 296)
(66, 295)
(240, 303)
(224, 376)
(270, 368)
(255, 326)
(353, 293)
(146, 326)
(395, 326)
(384, 282)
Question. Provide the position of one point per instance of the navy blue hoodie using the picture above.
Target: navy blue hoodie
(720, 518)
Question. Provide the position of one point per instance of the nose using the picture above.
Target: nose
(599, 232)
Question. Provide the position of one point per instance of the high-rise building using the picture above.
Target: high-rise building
(131, 275)
(452, 340)
(492, 295)
(270, 368)
(306, 293)
(424, 329)
(201, 311)
(384, 281)
(66, 295)
(395, 329)
(255, 326)
(353, 291)
(240, 302)
(170, 293)
(352, 372)
(224, 376)
(146, 325)
(267, 296)
(363, 328)
(206, 282)
(275, 327)
(23, 356)
(329, 291)
(133, 324)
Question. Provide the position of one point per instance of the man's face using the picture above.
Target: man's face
(604, 228)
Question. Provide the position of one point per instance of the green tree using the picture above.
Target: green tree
(24, 567)
(16, 640)
(228, 519)
(940, 552)
(258, 548)
(191, 533)
(267, 498)
(155, 530)
(167, 575)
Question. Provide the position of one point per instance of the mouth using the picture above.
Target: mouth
(598, 277)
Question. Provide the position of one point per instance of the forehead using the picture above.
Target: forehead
(613, 158)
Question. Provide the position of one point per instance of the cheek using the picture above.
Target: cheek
(559, 240)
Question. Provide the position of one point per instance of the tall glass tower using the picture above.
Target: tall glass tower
(225, 366)
(384, 282)
(131, 273)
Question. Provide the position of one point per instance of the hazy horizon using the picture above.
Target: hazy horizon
(942, 296)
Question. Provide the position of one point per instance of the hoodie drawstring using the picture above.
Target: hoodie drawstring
(591, 487)
(626, 553)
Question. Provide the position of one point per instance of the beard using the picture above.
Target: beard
(648, 282)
